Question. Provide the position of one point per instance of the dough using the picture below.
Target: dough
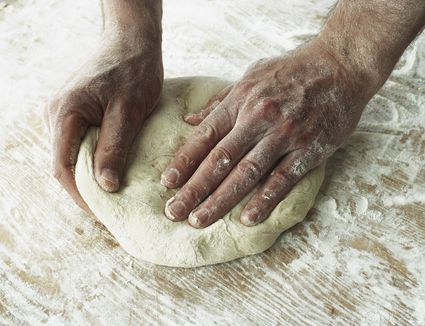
(135, 215)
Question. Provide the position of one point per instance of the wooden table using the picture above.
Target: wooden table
(358, 258)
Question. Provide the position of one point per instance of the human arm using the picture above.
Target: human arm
(115, 90)
(288, 114)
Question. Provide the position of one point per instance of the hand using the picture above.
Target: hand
(116, 90)
(283, 118)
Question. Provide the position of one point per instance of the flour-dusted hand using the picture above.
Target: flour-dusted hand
(116, 90)
(285, 116)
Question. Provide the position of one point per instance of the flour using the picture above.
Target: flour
(319, 272)
(413, 195)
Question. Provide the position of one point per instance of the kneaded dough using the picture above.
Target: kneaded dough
(135, 215)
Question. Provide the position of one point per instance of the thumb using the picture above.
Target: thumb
(120, 126)
(196, 118)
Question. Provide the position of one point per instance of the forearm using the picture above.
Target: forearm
(141, 18)
(369, 36)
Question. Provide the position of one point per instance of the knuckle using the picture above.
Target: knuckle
(194, 193)
(317, 158)
(268, 195)
(129, 114)
(319, 151)
(266, 108)
(220, 203)
(118, 152)
(249, 169)
(245, 85)
(211, 107)
(300, 166)
(206, 133)
(283, 179)
(59, 171)
(224, 92)
(220, 156)
(57, 174)
(61, 105)
(268, 103)
(184, 161)
(123, 107)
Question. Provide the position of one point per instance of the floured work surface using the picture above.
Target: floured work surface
(357, 258)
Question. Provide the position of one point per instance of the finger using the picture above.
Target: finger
(212, 171)
(205, 136)
(283, 178)
(120, 125)
(67, 135)
(196, 118)
(237, 184)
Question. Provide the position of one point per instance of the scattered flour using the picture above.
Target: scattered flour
(366, 221)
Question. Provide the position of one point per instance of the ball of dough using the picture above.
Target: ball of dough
(135, 214)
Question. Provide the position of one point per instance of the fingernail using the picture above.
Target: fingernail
(249, 218)
(175, 209)
(109, 180)
(170, 177)
(199, 217)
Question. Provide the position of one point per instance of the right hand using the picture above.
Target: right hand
(116, 90)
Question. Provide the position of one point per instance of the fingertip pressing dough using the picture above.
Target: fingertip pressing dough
(135, 214)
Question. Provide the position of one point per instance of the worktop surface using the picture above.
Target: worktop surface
(358, 258)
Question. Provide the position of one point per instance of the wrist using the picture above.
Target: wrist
(361, 67)
(137, 22)
(360, 56)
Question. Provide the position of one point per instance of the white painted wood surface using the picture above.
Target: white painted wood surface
(357, 259)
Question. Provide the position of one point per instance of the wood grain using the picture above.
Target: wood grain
(358, 258)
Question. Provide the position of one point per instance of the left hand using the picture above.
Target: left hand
(283, 118)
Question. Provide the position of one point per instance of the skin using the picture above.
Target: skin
(288, 114)
(116, 89)
(285, 116)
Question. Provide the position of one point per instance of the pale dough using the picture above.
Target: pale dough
(135, 215)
